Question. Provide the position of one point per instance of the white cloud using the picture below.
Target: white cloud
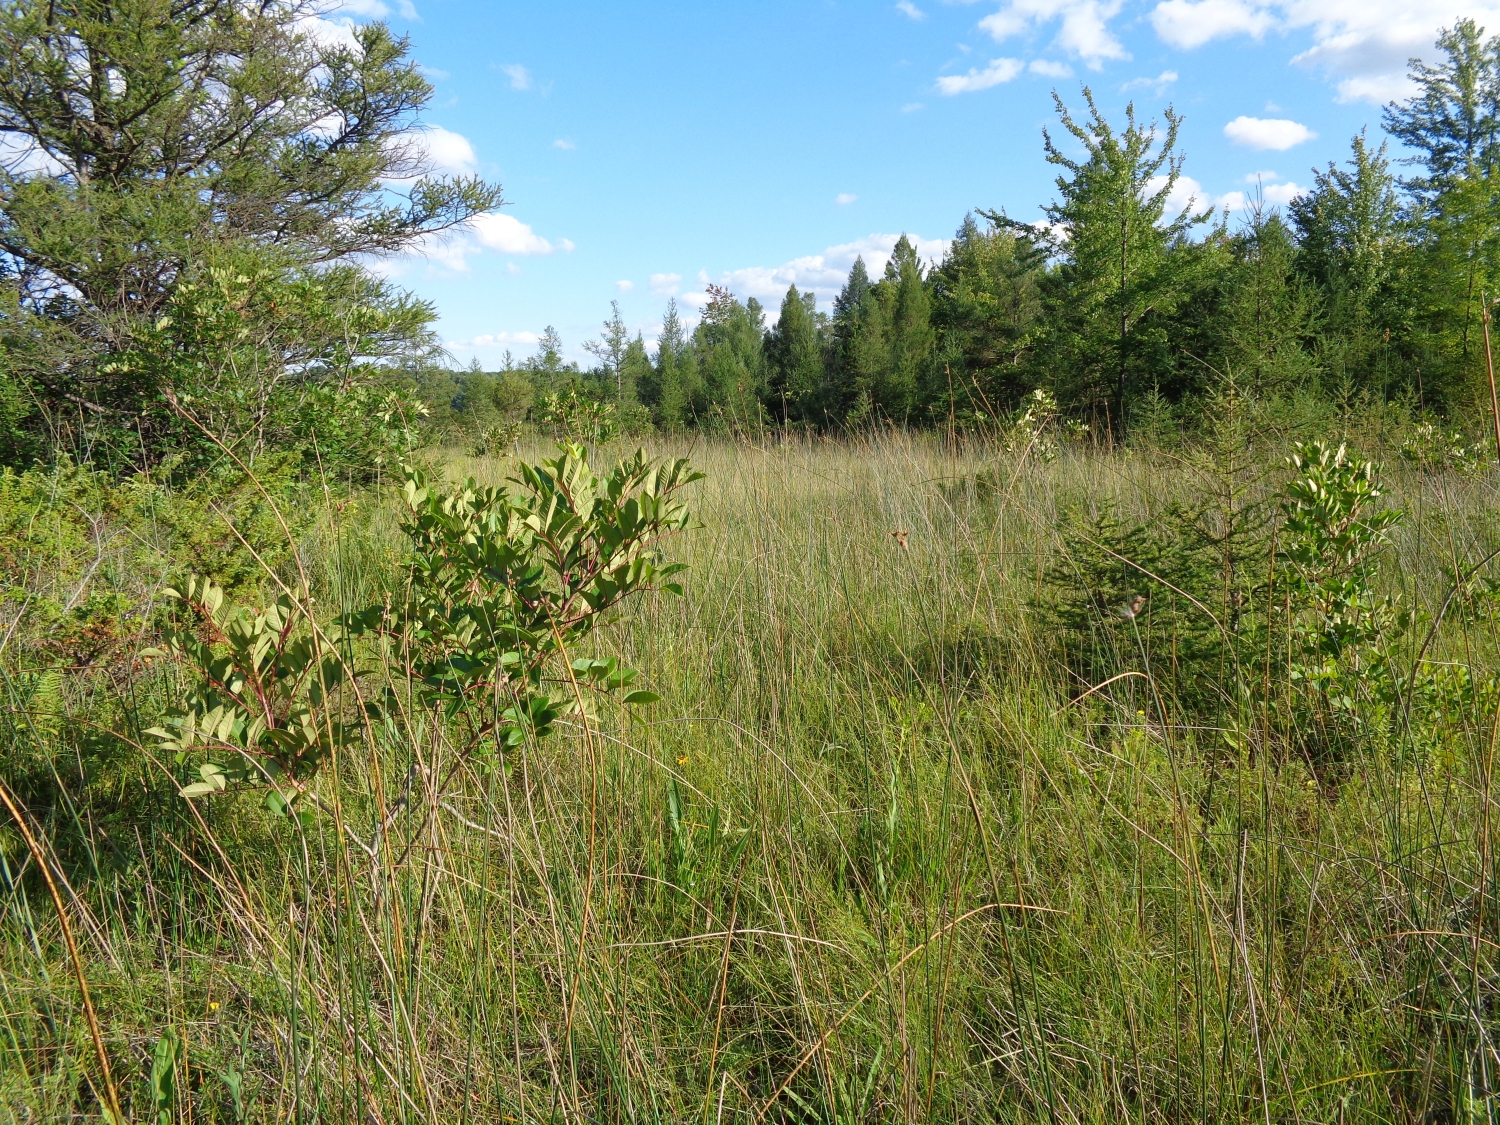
(1376, 89)
(447, 153)
(376, 9)
(665, 284)
(1280, 195)
(329, 32)
(844, 198)
(911, 107)
(823, 274)
(496, 340)
(1084, 33)
(625, 286)
(906, 7)
(1363, 45)
(509, 235)
(1187, 194)
(999, 70)
(1157, 84)
(1192, 23)
(564, 144)
(520, 77)
(1271, 195)
(1050, 69)
(451, 251)
(1265, 177)
(1274, 133)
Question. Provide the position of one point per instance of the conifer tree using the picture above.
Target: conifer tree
(731, 356)
(672, 390)
(857, 347)
(794, 358)
(985, 310)
(224, 147)
(1117, 279)
(635, 368)
(1269, 312)
(911, 338)
(1352, 245)
(1453, 124)
(610, 350)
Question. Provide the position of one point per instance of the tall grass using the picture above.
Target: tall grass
(871, 859)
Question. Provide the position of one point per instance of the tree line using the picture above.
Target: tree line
(191, 193)
(1372, 283)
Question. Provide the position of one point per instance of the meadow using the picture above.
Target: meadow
(910, 835)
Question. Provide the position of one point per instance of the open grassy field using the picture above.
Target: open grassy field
(878, 854)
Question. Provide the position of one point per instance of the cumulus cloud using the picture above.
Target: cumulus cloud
(823, 274)
(1274, 133)
(1157, 84)
(844, 198)
(1192, 23)
(1083, 32)
(332, 32)
(1280, 195)
(1187, 194)
(625, 286)
(447, 153)
(999, 70)
(564, 144)
(1363, 45)
(1050, 69)
(906, 7)
(665, 284)
(450, 252)
(520, 77)
(508, 235)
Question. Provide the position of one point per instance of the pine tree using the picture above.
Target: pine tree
(1117, 278)
(794, 358)
(1351, 245)
(151, 145)
(985, 311)
(857, 348)
(729, 342)
(548, 371)
(1269, 312)
(635, 369)
(610, 350)
(672, 389)
(911, 338)
(1453, 123)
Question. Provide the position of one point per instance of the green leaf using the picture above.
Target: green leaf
(640, 697)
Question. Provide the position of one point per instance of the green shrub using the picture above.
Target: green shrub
(502, 589)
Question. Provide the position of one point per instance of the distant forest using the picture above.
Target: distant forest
(1373, 285)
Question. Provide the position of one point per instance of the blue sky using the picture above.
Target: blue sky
(648, 148)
